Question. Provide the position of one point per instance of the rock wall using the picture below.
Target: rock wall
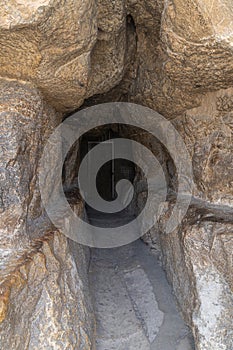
(173, 56)
(44, 292)
(198, 261)
(49, 304)
(198, 255)
(26, 122)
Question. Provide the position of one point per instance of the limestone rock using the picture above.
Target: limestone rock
(74, 50)
(26, 122)
(198, 261)
(49, 305)
(207, 132)
(173, 56)
(57, 46)
(49, 43)
(198, 254)
(190, 48)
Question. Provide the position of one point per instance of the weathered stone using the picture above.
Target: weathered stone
(57, 46)
(49, 43)
(207, 132)
(190, 52)
(173, 56)
(198, 255)
(49, 302)
(26, 122)
(198, 261)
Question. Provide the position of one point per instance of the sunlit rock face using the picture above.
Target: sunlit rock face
(70, 50)
(172, 56)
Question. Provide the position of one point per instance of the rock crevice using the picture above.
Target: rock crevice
(58, 56)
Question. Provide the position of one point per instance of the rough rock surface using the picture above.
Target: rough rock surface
(190, 52)
(198, 260)
(69, 49)
(73, 50)
(173, 56)
(207, 132)
(26, 122)
(48, 43)
(49, 304)
(44, 299)
(198, 255)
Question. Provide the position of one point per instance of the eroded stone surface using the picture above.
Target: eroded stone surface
(49, 44)
(70, 50)
(190, 52)
(198, 260)
(207, 132)
(44, 299)
(49, 303)
(26, 122)
(73, 50)
(172, 56)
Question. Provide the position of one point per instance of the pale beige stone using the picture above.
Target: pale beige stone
(173, 56)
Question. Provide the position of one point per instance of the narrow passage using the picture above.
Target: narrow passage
(134, 305)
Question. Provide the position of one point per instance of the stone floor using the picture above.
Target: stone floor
(135, 308)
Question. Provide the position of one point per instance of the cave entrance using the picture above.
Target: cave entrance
(105, 180)
(133, 301)
(110, 173)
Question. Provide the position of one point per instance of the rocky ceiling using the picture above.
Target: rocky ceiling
(160, 54)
